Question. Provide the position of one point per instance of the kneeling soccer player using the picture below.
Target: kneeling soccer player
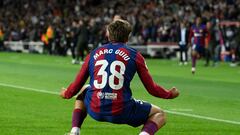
(111, 68)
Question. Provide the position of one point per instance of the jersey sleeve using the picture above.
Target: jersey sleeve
(79, 81)
(152, 88)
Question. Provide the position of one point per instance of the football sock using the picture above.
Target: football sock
(78, 117)
(194, 61)
(150, 127)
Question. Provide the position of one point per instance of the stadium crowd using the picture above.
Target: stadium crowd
(58, 23)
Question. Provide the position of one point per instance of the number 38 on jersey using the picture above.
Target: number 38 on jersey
(109, 78)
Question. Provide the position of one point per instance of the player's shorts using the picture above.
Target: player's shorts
(134, 113)
(198, 48)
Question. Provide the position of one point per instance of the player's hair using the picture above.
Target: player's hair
(119, 30)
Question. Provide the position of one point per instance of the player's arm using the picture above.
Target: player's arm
(152, 88)
(78, 83)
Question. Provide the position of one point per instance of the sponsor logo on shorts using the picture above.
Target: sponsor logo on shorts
(107, 95)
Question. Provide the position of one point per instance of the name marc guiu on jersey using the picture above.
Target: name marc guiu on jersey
(110, 51)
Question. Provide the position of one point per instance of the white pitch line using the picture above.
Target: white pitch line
(168, 111)
(180, 110)
(28, 89)
(203, 117)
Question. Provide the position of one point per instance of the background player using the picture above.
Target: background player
(198, 33)
(109, 98)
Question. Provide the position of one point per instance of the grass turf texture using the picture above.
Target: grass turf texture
(212, 92)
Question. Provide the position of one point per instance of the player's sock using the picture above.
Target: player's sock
(149, 127)
(78, 117)
(193, 64)
(194, 61)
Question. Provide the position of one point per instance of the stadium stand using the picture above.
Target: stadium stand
(153, 20)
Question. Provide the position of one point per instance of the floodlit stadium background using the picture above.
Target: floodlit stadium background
(30, 82)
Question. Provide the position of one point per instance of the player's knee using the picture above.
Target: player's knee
(162, 116)
(160, 111)
(159, 118)
(155, 109)
(79, 104)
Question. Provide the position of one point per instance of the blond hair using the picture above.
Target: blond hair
(119, 30)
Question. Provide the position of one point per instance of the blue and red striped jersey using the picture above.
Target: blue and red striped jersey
(111, 68)
(198, 33)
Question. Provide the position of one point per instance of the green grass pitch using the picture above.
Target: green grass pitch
(213, 92)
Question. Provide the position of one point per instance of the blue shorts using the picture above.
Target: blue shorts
(135, 113)
(198, 48)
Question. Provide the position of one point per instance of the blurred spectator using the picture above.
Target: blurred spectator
(82, 44)
(1, 38)
(230, 34)
(183, 32)
(95, 33)
(210, 42)
(237, 38)
(69, 39)
(50, 36)
(152, 20)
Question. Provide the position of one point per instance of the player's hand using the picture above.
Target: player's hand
(62, 93)
(175, 92)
